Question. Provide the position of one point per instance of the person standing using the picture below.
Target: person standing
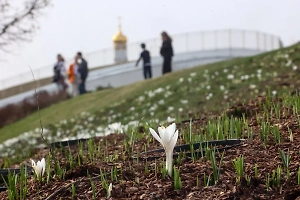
(166, 51)
(74, 78)
(83, 71)
(145, 55)
(59, 73)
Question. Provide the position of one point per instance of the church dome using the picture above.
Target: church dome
(119, 37)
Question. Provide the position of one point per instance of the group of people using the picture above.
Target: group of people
(76, 74)
(166, 51)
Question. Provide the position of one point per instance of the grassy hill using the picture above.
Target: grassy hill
(181, 94)
(244, 103)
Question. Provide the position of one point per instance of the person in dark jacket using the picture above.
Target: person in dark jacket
(83, 71)
(166, 52)
(59, 73)
(145, 55)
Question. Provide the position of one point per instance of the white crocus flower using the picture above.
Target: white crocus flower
(115, 127)
(167, 138)
(39, 167)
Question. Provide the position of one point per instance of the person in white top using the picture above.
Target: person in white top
(60, 73)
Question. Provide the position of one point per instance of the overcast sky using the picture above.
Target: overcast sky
(72, 25)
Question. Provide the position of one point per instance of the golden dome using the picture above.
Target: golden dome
(119, 37)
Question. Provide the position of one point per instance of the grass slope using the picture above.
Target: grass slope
(201, 89)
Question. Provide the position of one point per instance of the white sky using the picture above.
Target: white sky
(72, 25)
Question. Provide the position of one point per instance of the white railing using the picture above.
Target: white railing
(182, 43)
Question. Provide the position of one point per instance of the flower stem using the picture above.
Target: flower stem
(169, 162)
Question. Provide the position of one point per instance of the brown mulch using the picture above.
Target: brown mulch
(133, 182)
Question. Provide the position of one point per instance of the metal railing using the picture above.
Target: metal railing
(182, 43)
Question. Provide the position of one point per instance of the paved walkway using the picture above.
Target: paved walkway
(124, 74)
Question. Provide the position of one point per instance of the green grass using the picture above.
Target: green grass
(120, 101)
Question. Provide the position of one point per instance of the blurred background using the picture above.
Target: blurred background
(197, 25)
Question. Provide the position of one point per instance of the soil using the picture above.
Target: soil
(134, 182)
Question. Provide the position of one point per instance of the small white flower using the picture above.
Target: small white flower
(161, 102)
(167, 94)
(193, 74)
(109, 190)
(208, 87)
(225, 70)
(295, 67)
(132, 108)
(170, 119)
(274, 92)
(159, 90)
(39, 167)
(209, 96)
(252, 86)
(141, 98)
(99, 129)
(115, 127)
(167, 138)
(181, 80)
(153, 108)
(184, 101)
(180, 109)
(288, 63)
(170, 108)
(230, 76)
(151, 94)
(222, 87)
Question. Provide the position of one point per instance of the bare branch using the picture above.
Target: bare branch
(19, 26)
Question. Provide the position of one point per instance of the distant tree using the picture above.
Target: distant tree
(18, 20)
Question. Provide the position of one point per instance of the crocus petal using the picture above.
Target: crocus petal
(169, 133)
(161, 131)
(174, 140)
(171, 130)
(154, 134)
(43, 165)
(33, 163)
(163, 136)
(39, 167)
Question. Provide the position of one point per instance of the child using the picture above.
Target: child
(145, 55)
(73, 76)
